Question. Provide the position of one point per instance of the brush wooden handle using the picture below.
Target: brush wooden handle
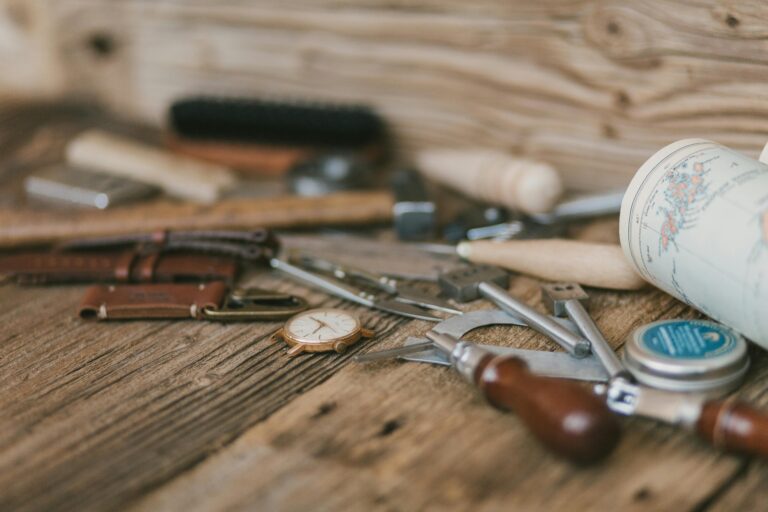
(565, 417)
(493, 176)
(735, 427)
(25, 228)
(590, 264)
(178, 176)
(252, 158)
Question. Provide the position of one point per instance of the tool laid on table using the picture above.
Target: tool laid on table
(466, 284)
(414, 213)
(351, 294)
(726, 424)
(496, 223)
(327, 173)
(346, 208)
(495, 177)
(178, 176)
(565, 299)
(582, 207)
(592, 264)
(67, 186)
(204, 301)
(546, 364)
(564, 416)
(398, 290)
(322, 330)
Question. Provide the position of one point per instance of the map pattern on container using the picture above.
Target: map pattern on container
(699, 230)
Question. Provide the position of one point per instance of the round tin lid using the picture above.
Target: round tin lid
(687, 355)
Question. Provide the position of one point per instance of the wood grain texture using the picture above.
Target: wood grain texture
(593, 87)
(203, 416)
(29, 227)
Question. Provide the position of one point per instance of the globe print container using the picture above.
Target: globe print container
(694, 222)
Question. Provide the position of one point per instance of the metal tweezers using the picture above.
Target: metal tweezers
(352, 294)
(399, 291)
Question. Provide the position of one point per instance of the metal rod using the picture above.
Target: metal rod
(600, 346)
(393, 352)
(571, 342)
(309, 278)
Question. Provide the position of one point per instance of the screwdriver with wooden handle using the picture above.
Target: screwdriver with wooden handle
(565, 417)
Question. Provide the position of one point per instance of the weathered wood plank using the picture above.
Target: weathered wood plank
(194, 415)
(395, 436)
(593, 87)
(100, 412)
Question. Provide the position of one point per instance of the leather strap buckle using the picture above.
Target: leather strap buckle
(255, 304)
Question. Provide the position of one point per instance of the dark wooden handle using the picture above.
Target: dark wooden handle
(564, 416)
(734, 426)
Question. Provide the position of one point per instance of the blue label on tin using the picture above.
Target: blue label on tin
(688, 339)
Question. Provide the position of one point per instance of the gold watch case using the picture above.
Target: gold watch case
(338, 344)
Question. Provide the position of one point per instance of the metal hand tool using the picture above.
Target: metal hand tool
(469, 283)
(414, 213)
(546, 364)
(563, 415)
(565, 299)
(582, 207)
(400, 292)
(346, 292)
(725, 424)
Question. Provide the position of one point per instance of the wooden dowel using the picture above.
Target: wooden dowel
(19, 228)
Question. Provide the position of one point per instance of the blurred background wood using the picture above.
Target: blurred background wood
(593, 87)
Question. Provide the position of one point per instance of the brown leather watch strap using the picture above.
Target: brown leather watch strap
(121, 267)
(147, 301)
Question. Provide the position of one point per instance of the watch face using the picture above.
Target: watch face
(321, 326)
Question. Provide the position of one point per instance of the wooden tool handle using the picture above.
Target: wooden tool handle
(590, 264)
(493, 176)
(19, 228)
(734, 426)
(178, 176)
(564, 416)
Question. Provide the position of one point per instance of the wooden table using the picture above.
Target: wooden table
(192, 415)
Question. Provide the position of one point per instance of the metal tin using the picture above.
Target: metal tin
(687, 355)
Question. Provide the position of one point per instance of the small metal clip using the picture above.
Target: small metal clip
(256, 304)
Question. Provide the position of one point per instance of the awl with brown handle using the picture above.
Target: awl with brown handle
(565, 417)
(725, 424)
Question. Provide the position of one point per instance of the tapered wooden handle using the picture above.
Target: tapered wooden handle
(587, 263)
(178, 176)
(564, 416)
(494, 176)
(734, 426)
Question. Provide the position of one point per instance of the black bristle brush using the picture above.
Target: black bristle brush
(273, 122)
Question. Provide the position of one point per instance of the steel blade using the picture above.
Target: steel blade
(407, 310)
(409, 295)
(548, 364)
